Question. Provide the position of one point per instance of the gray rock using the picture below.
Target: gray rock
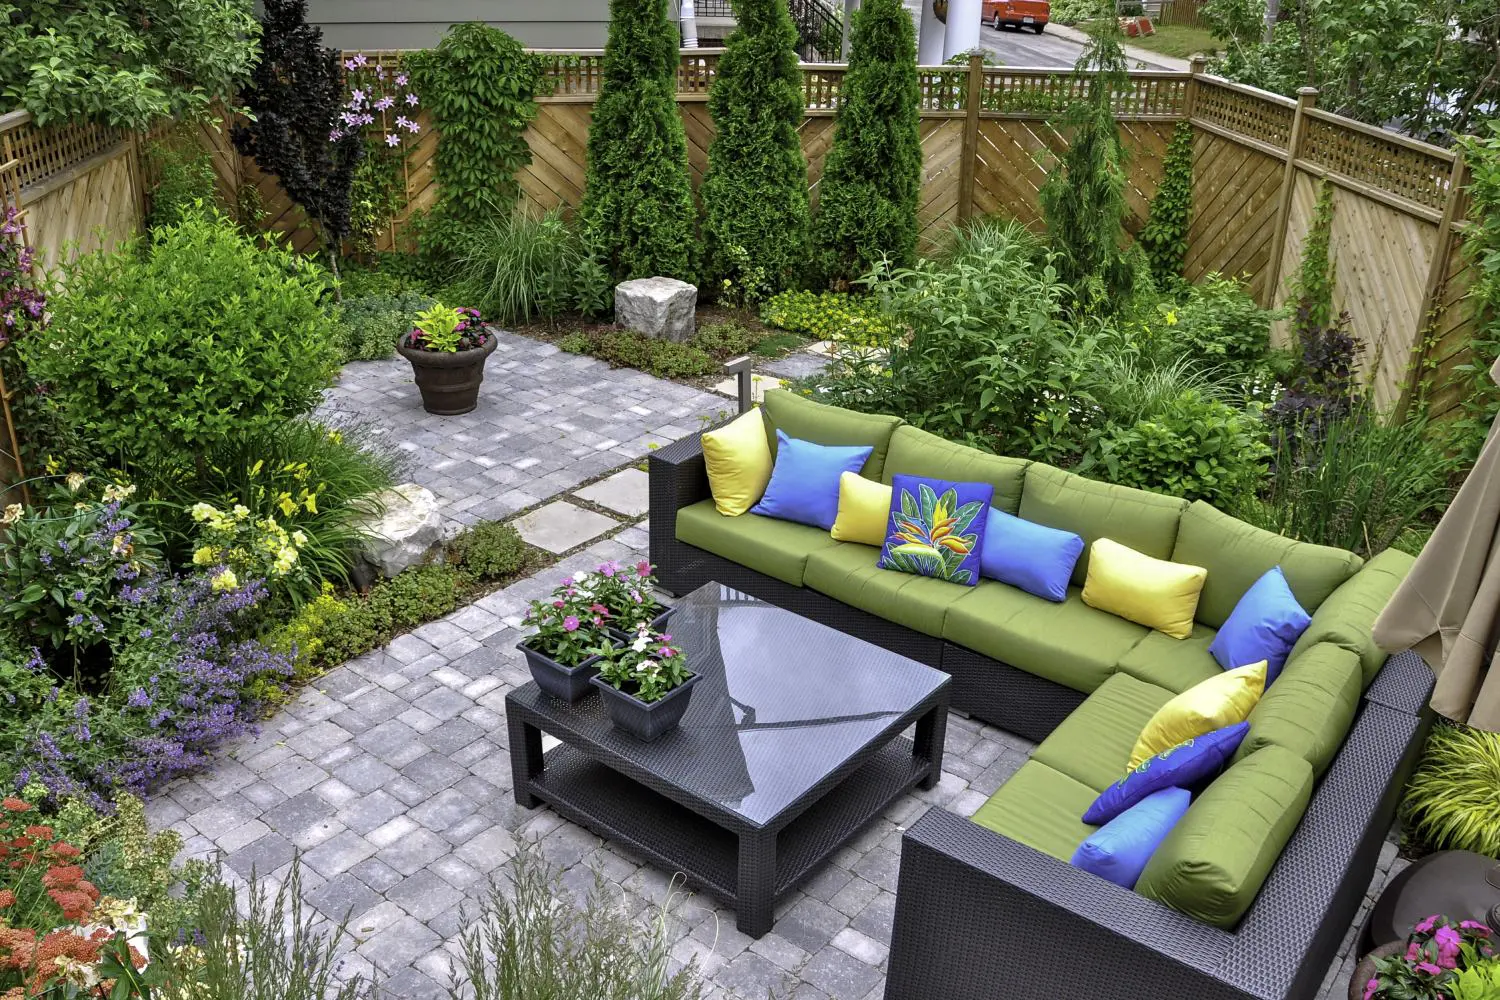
(658, 307)
(407, 528)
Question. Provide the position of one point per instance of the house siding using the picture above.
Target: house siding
(414, 24)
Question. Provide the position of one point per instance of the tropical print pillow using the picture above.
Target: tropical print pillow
(936, 528)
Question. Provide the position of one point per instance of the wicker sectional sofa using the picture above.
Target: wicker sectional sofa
(1252, 893)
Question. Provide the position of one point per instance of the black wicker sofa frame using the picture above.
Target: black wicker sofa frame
(982, 917)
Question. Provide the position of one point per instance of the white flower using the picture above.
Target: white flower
(641, 643)
(241, 512)
(113, 492)
(203, 511)
(12, 513)
(75, 481)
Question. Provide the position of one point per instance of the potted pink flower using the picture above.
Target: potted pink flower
(447, 350)
(1437, 953)
(572, 634)
(646, 684)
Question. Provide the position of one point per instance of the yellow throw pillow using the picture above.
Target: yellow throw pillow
(738, 458)
(864, 510)
(1212, 704)
(1152, 592)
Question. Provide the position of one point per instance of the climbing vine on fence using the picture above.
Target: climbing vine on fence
(1480, 400)
(479, 85)
(1313, 284)
(1166, 233)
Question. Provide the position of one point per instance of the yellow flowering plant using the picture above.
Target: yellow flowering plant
(238, 546)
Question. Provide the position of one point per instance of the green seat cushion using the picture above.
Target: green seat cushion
(917, 453)
(1041, 808)
(764, 544)
(1309, 709)
(1348, 616)
(820, 423)
(1175, 664)
(848, 572)
(1213, 863)
(1093, 744)
(1069, 643)
(1237, 554)
(1147, 522)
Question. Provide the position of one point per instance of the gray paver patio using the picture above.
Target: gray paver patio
(391, 772)
(561, 526)
(627, 493)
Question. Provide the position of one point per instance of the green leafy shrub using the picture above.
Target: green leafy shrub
(1218, 322)
(165, 349)
(1351, 481)
(1164, 238)
(638, 199)
(662, 358)
(515, 266)
(184, 175)
(867, 205)
(492, 550)
(726, 340)
(829, 316)
(1452, 801)
(755, 191)
(1195, 448)
(479, 85)
(370, 325)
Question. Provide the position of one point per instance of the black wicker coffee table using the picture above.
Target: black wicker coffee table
(793, 743)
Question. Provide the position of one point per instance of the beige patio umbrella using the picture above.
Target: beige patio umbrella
(1448, 608)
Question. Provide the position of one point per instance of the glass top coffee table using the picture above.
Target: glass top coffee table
(792, 743)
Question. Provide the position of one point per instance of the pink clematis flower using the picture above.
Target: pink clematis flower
(393, 140)
(401, 80)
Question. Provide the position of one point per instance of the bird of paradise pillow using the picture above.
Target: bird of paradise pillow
(936, 528)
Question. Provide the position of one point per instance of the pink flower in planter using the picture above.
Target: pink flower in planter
(1448, 941)
(570, 623)
(1429, 968)
(558, 604)
(1423, 926)
(1371, 987)
(1483, 930)
(643, 568)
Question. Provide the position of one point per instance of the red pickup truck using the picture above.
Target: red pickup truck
(1018, 14)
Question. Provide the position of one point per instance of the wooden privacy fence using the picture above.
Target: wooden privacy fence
(989, 137)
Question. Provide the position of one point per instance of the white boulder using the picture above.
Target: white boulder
(404, 531)
(663, 308)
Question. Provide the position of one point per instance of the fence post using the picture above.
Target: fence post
(1307, 97)
(970, 154)
(1437, 273)
(1190, 99)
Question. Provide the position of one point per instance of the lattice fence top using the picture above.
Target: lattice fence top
(44, 153)
(1392, 163)
(1257, 115)
(1033, 92)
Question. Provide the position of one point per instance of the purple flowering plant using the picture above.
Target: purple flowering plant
(625, 589)
(381, 108)
(23, 307)
(65, 561)
(571, 624)
(648, 667)
(1438, 950)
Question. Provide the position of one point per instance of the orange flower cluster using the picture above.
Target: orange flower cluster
(31, 859)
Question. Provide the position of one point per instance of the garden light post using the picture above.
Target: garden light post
(963, 27)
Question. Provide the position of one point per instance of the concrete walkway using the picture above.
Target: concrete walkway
(391, 773)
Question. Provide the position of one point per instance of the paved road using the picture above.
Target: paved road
(1057, 46)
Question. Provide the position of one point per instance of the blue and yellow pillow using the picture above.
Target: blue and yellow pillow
(936, 528)
(1183, 765)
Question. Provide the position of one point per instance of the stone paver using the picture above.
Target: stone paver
(561, 526)
(546, 422)
(390, 774)
(626, 492)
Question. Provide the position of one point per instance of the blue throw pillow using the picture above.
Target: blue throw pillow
(1032, 556)
(1119, 850)
(936, 528)
(804, 484)
(1184, 765)
(1264, 625)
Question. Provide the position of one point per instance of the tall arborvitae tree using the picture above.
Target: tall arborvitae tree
(755, 191)
(296, 95)
(1084, 197)
(867, 208)
(638, 203)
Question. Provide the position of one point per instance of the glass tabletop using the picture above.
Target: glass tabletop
(784, 702)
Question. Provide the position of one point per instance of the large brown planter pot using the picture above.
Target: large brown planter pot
(449, 382)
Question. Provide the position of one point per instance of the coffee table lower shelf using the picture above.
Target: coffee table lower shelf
(751, 871)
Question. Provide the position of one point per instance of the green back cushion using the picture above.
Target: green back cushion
(1147, 522)
(820, 423)
(1309, 709)
(1237, 554)
(1213, 863)
(917, 453)
(1348, 616)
